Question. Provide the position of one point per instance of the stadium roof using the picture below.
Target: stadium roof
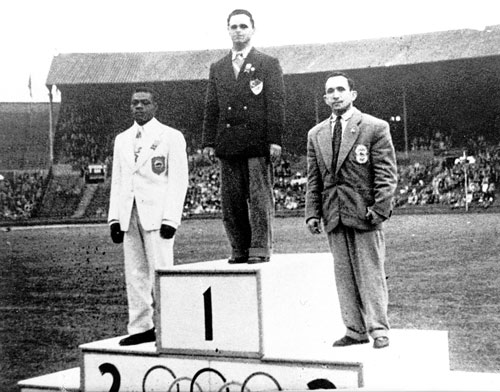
(104, 68)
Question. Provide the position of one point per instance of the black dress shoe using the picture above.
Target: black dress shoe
(258, 259)
(348, 341)
(138, 338)
(381, 342)
(238, 260)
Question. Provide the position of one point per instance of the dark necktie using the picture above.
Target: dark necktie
(336, 139)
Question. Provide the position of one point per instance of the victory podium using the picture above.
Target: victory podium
(268, 326)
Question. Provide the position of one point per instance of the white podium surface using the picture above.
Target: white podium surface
(252, 308)
(258, 327)
(213, 313)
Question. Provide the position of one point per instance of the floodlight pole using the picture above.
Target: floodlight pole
(405, 122)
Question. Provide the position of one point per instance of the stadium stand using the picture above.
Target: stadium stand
(21, 193)
(24, 130)
(417, 93)
(62, 195)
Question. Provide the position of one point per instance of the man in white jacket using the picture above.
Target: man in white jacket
(148, 186)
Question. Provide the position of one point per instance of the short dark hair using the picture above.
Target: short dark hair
(241, 12)
(146, 89)
(350, 82)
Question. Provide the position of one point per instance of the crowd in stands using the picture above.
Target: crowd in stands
(20, 194)
(203, 195)
(83, 137)
(436, 181)
(442, 181)
(438, 142)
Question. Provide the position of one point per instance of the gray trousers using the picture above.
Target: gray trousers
(248, 205)
(359, 258)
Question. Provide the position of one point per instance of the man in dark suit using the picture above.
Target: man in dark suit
(350, 187)
(243, 125)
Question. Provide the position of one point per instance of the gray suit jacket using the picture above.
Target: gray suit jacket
(365, 177)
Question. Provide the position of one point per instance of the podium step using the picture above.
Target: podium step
(257, 327)
(69, 380)
(141, 367)
(65, 380)
(414, 357)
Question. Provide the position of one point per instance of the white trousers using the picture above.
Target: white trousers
(144, 252)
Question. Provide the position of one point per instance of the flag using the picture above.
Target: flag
(29, 86)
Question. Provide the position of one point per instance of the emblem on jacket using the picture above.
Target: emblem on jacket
(155, 144)
(256, 85)
(361, 153)
(158, 165)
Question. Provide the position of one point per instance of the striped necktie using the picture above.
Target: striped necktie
(237, 63)
(137, 140)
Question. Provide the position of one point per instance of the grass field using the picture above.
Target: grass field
(61, 287)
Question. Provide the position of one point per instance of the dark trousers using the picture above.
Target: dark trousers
(248, 205)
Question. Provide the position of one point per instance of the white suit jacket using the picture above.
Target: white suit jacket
(158, 181)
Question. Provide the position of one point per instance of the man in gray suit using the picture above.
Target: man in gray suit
(351, 182)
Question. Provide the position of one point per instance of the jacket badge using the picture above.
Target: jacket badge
(158, 165)
(249, 69)
(361, 154)
(155, 144)
(256, 85)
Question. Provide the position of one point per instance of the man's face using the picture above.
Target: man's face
(240, 30)
(338, 95)
(143, 107)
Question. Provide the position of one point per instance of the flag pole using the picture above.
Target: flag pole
(51, 127)
(30, 126)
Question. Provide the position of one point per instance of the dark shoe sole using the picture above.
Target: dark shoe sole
(138, 338)
(257, 260)
(347, 341)
(238, 260)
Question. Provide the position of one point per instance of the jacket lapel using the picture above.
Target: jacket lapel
(324, 139)
(252, 59)
(349, 137)
(226, 72)
(151, 142)
(127, 146)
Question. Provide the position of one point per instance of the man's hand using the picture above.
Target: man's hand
(314, 226)
(274, 152)
(209, 151)
(167, 232)
(373, 217)
(116, 233)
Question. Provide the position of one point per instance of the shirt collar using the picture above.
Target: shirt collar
(146, 126)
(244, 52)
(344, 117)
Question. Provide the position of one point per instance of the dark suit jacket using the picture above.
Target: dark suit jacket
(366, 173)
(242, 116)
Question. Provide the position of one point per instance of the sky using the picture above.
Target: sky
(34, 31)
